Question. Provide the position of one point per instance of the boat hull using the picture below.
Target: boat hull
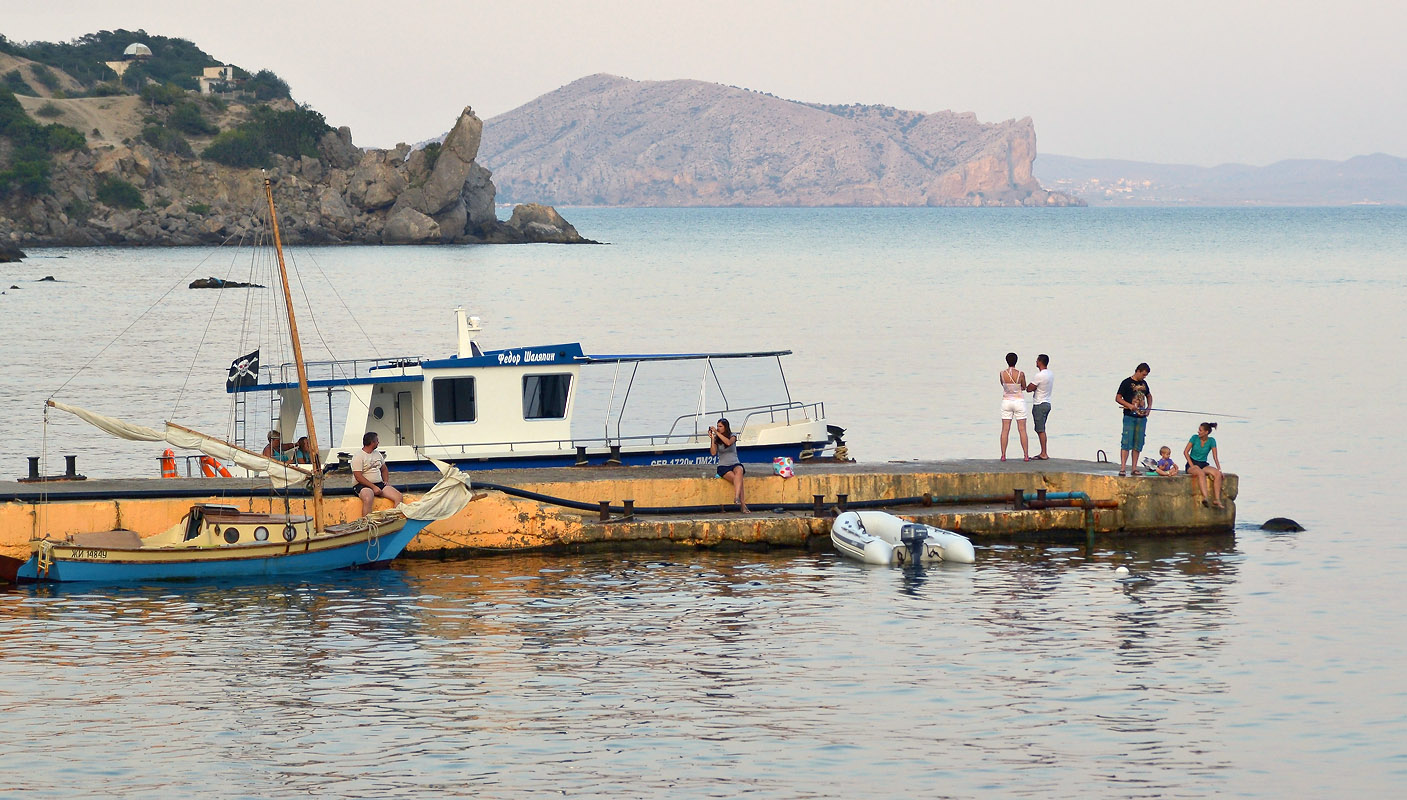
(119, 566)
(874, 537)
(654, 457)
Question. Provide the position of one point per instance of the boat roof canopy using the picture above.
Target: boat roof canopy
(546, 355)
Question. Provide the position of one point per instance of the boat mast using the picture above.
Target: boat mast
(298, 359)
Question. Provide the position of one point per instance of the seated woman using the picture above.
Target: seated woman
(724, 444)
(301, 452)
(1199, 448)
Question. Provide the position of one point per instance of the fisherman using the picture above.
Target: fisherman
(367, 464)
(1136, 399)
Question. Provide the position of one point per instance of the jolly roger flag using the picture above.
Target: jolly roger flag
(244, 371)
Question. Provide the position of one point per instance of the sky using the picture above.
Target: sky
(1189, 82)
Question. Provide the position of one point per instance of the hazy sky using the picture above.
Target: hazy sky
(1186, 82)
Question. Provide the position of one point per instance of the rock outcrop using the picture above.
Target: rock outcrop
(604, 140)
(345, 195)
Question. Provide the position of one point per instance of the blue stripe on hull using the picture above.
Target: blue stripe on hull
(360, 554)
(749, 455)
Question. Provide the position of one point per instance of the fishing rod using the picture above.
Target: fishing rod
(1198, 413)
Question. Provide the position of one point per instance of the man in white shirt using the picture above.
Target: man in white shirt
(372, 477)
(1041, 384)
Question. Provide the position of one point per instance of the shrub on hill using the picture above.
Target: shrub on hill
(186, 117)
(266, 132)
(45, 76)
(161, 94)
(167, 140)
(115, 192)
(48, 111)
(265, 85)
(16, 83)
(31, 159)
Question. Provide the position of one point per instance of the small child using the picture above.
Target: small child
(1165, 465)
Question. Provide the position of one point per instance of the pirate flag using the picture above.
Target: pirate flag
(244, 371)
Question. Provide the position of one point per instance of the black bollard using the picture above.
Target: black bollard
(34, 468)
(629, 509)
(605, 510)
(71, 470)
(581, 455)
(614, 460)
(1018, 499)
(840, 500)
(817, 501)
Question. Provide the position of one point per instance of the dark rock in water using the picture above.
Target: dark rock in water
(9, 254)
(48, 278)
(12, 286)
(1281, 524)
(216, 283)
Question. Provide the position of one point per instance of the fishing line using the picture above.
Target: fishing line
(1199, 413)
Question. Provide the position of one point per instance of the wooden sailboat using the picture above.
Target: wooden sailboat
(219, 541)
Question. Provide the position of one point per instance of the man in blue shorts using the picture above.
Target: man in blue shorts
(1136, 399)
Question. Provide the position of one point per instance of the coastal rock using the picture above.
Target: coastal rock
(217, 283)
(375, 183)
(405, 225)
(534, 222)
(445, 186)
(10, 254)
(337, 148)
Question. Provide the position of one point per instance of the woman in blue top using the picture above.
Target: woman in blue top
(1200, 448)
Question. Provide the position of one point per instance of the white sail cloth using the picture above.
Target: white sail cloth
(280, 474)
(445, 499)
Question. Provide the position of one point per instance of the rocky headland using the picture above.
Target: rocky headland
(344, 195)
(607, 140)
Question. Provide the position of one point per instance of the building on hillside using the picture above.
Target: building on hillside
(215, 77)
(134, 53)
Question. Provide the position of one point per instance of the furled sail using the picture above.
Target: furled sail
(445, 499)
(280, 474)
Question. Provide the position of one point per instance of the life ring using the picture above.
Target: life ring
(168, 464)
(211, 467)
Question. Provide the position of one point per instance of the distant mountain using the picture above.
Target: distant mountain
(606, 140)
(1373, 179)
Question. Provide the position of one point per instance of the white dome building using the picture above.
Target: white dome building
(137, 50)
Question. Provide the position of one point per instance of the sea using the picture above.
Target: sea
(1250, 664)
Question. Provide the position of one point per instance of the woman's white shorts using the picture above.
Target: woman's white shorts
(1013, 408)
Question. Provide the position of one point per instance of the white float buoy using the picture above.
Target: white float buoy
(1121, 571)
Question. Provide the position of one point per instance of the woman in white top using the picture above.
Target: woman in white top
(1013, 383)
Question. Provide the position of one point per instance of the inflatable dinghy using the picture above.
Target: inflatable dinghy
(877, 537)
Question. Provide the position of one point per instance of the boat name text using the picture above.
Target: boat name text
(525, 356)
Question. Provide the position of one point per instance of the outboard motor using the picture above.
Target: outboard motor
(912, 536)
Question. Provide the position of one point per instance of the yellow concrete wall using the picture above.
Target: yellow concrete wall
(498, 522)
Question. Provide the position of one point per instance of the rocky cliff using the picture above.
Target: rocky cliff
(344, 195)
(605, 140)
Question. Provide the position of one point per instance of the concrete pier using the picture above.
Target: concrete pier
(973, 497)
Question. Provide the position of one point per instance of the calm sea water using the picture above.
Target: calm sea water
(1250, 665)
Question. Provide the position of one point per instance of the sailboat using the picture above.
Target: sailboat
(221, 541)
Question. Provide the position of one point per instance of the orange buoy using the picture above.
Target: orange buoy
(168, 464)
(211, 467)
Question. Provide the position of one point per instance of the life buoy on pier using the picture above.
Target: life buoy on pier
(168, 464)
(211, 467)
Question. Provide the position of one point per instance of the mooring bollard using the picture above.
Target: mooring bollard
(1018, 500)
(71, 470)
(1040, 495)
(928, 499)
(629, 509)
(614, 459)
(34, 468)
(581, 455)
(840, 501)
(818, 502)
(605, 510)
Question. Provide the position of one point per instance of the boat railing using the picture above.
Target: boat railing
(346, 369)
(806, 411)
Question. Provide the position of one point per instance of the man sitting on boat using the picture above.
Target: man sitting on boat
(369, 463)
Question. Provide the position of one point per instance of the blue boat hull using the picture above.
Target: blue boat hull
(595, 457)
(361, 554)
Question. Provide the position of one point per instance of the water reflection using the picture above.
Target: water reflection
(779, 675)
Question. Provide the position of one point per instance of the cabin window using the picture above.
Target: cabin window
(454, 399)
(545, 396)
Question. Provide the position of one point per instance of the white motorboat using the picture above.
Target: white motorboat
(878, 537)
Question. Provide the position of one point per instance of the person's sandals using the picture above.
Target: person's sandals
(1122, 473)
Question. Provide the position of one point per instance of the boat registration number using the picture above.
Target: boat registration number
(686, 460)
(84, 553)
